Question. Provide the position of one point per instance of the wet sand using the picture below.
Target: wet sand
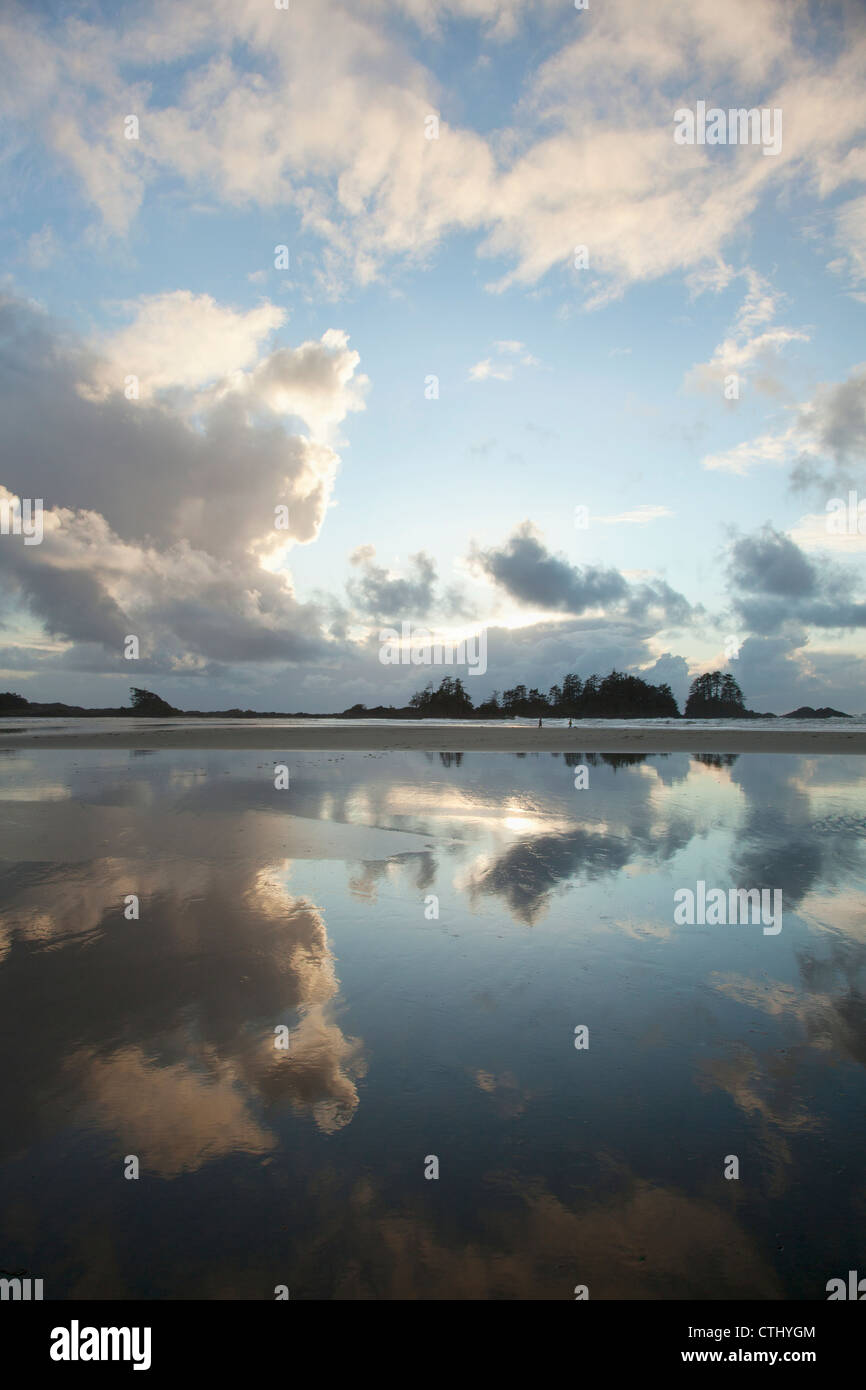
(692, 738)
(425, 932)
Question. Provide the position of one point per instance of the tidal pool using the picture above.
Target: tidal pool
(472, 959)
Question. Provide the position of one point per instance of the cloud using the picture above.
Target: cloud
(485, 370)
(502, 369)
(160, 512)
(850, 237)
(317, 381)
(182, 339)
(526, 570)
(835, 422)
(822, 444)
(214, 353)
(749, 354)
(42, 248)
(769, 448)
(774, 584)
(638, 516)
(220, 1099)
(771, 563)
(379, 594)
(171, 1116)
(811, 533)
(590, 146)
(670, 670)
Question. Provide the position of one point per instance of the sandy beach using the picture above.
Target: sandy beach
(693, 737)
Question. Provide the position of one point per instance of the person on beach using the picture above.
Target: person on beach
(539, 721)
(569, 723)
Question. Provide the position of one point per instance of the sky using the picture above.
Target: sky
(321, 318)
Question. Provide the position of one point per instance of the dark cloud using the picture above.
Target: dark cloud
(774, 584)
(71, 603)
(528, 571)
(377, 595)
(771, 563)
(782, 672)
(836, 422)
(670, 670)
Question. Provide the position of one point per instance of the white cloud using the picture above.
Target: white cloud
(747, 353)
(851, 238)
(824, 441)
(811, 533)
(205, 353)
(638, 516)
(183, 339)
(775, 449)
(42, 248)
(590, 156)
(503, 370)
(486, 370)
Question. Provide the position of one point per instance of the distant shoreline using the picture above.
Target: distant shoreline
(429, 736)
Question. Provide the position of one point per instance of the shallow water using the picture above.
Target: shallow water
(41, 724)
(412, 1035)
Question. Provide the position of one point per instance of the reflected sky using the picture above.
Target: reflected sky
(410, 1033)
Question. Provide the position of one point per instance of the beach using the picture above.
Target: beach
(614, 736)
(290, 1005)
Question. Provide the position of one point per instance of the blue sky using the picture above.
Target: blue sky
(601, 386)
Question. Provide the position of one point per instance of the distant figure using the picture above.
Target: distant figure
(569, 723)
(539, 721)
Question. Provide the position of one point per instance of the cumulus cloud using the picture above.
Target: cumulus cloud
(786, 670)
(526, 570)
(158, 514)
(317, 381)
(182, 339)
(671, 670)
(377, 593)
(774, 584)
(214, 353)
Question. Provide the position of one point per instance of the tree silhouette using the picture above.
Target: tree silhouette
(148, 705)
(715, 696)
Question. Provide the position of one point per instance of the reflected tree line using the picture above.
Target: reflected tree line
(596, 759)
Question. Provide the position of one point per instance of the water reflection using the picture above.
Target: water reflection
(429, 930)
